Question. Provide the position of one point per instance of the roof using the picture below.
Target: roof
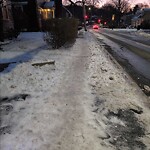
(48, 5)
(146, 9)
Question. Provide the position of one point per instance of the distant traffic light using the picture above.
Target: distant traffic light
(105, 23)
(113, 17)
(85, 17)
(99, 20)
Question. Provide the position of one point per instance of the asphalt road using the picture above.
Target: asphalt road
(130, 35)
(133, 54)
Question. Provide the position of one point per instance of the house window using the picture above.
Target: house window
(47, 13)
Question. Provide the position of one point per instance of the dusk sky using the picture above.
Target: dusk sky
(139, 1)
(133, 2)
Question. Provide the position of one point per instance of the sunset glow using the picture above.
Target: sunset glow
(132, 2)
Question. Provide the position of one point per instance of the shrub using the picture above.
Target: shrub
(138, 27)
(145, 24)
(10, 33)
(60, 31)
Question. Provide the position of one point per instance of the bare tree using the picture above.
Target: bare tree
(123, 6)
(87, 2)
(93, 2)
(142, 5)
(66, 2)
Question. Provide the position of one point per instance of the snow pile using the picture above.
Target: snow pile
(117, 95)
(24, 119)
(142, 32)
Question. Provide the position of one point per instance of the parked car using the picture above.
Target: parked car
(95, 26)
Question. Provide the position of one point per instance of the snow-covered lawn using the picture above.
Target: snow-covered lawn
(37, 83)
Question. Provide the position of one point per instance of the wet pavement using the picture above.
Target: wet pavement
(131, 35)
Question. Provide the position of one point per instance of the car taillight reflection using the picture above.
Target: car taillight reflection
(95, 26)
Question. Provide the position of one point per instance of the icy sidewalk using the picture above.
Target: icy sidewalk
(84, 100)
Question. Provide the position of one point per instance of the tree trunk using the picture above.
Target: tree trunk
(84, 13)
(33, 16)
(58, 8)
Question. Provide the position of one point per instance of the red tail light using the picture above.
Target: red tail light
(99, 20)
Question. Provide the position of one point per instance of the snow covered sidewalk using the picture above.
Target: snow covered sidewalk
(83, 100)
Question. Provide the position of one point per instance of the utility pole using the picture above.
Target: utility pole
(119, 7)
(84, 13)
(84, 10)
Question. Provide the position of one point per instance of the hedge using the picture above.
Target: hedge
(60, 31)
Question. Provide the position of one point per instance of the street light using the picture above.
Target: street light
(90, 11)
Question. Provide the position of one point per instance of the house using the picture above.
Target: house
(27, 15)
(141, 16)
(47, 10)
(126, 20)
(137, 19)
